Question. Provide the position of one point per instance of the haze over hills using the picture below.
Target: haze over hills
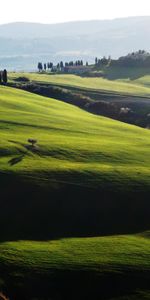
(75, 150)
(23, 44)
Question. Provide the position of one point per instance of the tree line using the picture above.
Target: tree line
(140, 58)
(44, 66)
(104, 61)
(59, 66)
(3, 77)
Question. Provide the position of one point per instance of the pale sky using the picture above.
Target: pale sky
(54, 11)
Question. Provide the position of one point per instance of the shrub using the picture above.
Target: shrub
(22, 79)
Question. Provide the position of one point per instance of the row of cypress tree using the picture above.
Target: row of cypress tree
(3, 77)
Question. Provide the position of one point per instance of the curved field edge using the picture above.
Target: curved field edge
(139, 87)
(67, 265)
(109, 254)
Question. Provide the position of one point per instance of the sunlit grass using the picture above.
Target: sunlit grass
(119, 85)
(109, 254)
(69, 140)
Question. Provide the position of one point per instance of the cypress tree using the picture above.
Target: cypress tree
(61, 64)
(5, 76)
(40, 66)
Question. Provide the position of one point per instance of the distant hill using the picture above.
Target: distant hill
(121, 93)
(23, 44)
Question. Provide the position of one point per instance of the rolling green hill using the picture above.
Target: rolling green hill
(118, 87)
(70, 141)
(64, 134)
(123, 261)
(77, 153)
(119, 80)
(88, 176)
(132, 75)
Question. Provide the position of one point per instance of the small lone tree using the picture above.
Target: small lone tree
(32, 141)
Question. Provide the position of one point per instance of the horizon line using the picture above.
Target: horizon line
(74, 21)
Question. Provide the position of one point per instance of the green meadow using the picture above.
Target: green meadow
(69, 140)
(122, 260)
(73, 206)
(127, 81)
(113, 254)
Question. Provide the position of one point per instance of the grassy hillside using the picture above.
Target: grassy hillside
(106, 95)
(134, 75)
(78, 154)
(89, 176)
(119, 81)
(115, 260)
(64, 134)
(118, 253)
(70, 141)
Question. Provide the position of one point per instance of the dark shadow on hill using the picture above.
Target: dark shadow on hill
(33, 211)
(131, 73)
(98, 102)
(30, 149)
(16, 160)
(22, 153)
(75, 284)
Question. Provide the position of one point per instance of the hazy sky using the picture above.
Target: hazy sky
(53, 11)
